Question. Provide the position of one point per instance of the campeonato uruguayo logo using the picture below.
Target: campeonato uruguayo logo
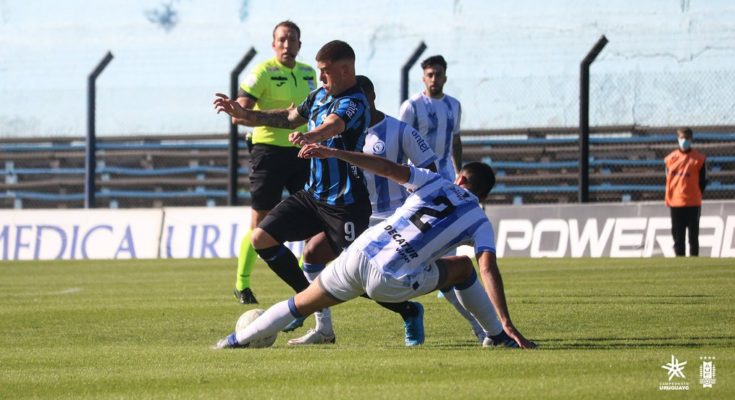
(677, 376)
(675, 372)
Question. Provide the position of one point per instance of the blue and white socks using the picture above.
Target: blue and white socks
(472, 297)
(270, 322)
(324, 317)
(451, 297)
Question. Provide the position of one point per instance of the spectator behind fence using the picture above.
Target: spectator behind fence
(685, 183)
(275, 83)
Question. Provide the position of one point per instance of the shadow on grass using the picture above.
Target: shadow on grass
(634, 343)
(610, 343)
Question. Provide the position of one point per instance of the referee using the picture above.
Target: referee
(273, 84)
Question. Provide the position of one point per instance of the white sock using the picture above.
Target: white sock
(324, 321)
(475, 300)
(271, 321)
(311, 271)
(451, 297)
(323, 317)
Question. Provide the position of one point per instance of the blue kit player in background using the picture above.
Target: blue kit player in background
(398, 259)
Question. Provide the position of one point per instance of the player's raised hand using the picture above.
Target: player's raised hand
(222, 103)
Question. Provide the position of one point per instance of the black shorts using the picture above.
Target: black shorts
(301, 216)
(273, 168)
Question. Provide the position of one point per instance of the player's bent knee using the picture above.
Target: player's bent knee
(318, 250)
(256, 217)
(458, 269)
(262, 240)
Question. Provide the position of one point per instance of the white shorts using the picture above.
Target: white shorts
(352, 274)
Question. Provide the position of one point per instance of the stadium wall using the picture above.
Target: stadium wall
(595, 230)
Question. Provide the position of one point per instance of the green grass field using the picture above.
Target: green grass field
(143, 329)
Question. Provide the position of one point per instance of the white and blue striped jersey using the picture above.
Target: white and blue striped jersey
(397, 142)
(435, 218)
(438, 121)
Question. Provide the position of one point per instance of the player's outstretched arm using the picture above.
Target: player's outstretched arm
(333, 125)
(493, 283)
(288, 118)
(377, 165)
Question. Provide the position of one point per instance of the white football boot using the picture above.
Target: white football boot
(313, 337)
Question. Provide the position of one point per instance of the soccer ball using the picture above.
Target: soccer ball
(248, 317)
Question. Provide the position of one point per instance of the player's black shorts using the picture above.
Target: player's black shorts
(301, 216)
(273, 168)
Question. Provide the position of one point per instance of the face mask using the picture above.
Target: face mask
(685, 144)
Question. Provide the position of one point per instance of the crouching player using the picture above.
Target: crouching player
(398, 259)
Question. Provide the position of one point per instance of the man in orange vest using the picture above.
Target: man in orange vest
(685, 183)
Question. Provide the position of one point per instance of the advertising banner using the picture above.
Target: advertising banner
(199, 232)
(605, 230)
(569, 230)
(79, 234)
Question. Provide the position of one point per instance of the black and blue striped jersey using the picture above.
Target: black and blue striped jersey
(334, 181)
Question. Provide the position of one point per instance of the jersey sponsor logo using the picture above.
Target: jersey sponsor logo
(404, 249)
(379, 147)
(351, 109)
(272, 69)
(423, 146)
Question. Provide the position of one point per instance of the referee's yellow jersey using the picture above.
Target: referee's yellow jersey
(275, 86)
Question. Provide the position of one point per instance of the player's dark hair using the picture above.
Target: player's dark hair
(686, 131)
(434, 60)
(365, 84)
(336, 50)
(480, 178)
(288, 24)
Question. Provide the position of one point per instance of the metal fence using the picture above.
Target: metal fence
(631, 132)
(532, 166)
(625, 163)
